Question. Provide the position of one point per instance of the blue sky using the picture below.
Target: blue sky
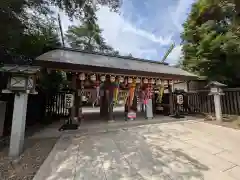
(144, 28)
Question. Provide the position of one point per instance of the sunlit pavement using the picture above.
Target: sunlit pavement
(178, 150)
(97, 109)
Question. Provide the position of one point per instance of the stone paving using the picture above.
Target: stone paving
(172, 151)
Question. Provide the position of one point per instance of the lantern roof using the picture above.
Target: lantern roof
(23, 69)
(215, 84)
(77, 60)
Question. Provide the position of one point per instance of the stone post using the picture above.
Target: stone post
(21, 82)
(218, 108)
(18, 124)
(216, 91)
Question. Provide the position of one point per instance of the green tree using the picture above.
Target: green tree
(28, 30)
(211, 41)
(88, 37)
(14, 19)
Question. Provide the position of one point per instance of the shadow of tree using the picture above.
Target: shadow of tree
(137, 153)
(169, 161)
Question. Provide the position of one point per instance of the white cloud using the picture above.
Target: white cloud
(175, 55)
(126, 38)
(179, 12)
(142, 35)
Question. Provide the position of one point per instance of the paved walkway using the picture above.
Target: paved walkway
(172, 151)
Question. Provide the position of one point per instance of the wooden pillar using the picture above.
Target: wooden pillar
(73, 85)
(102, 105)
(80, 103)
(103, 102)
(188, 89)
(170, 98)
(109, 98)
(77, 99)
(110, 111)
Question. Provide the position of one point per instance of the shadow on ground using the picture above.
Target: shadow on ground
(134, 153)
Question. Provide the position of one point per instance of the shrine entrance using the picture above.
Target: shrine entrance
(110, 82)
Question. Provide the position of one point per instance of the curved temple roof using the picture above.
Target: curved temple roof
(80, 60)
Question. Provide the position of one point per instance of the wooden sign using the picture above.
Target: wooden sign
(69, 100)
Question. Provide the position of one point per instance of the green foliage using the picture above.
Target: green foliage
(51, 82)
(211, 41)
(88, 37)
(22, 35)
(28, 30)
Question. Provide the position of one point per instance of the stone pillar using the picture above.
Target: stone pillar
(18, 125)
(218, 108)
(216, 91)
(149, 109)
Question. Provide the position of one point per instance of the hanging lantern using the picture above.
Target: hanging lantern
(103, 78)
(170, 82)
(130, 80)
(165, 82)
(121, 79)
(82, 77)
(145, 81)
(138, 80)
(112, 78)
(93, 77)
(152, 81)
(159, 82)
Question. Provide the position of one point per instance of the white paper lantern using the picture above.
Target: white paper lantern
(145, 81)
(138, 80)
(159, 82)
(130, 80)
(112, 78)
(121, 79)
(152, 81)
(93, 77)
(103, 78)
(170, 82)
(82, 77)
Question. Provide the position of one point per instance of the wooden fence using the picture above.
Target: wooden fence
(201, 102)
(39, 107)
(55, 105)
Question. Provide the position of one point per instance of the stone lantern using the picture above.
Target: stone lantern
(216, 91)
(21, 82)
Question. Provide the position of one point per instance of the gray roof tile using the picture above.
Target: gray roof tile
(119, 62)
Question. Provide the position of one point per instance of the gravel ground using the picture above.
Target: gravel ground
(36, 151)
